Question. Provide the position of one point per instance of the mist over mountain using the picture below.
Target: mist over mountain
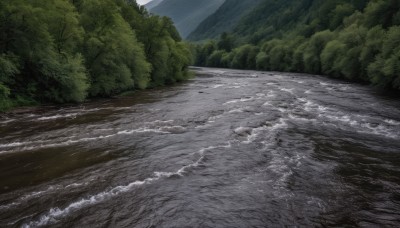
(150, 5)
(224, 19)
(187, 14)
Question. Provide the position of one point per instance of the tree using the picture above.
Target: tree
(316, 45)
(371, 49)
(385, 70)
(215, 59)
(114, 57)
(381, 12)
(331, 58)
(47, 59)
(225, 42)
(245, 57)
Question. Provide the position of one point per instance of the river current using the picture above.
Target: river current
(229, 148)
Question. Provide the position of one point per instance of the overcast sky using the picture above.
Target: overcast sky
(142, 2)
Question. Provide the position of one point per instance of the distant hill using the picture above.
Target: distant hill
(224, 19)
(187, 14)
(277, 18)
(152, 4)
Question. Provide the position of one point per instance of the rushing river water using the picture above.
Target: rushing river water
(227, 149)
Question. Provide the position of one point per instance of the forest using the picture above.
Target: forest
(59, 51)
(357, 40)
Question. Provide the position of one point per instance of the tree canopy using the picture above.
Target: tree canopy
(68, 50)
(356, 40)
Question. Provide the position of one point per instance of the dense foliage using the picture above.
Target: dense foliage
(357, 40)
(67, 50)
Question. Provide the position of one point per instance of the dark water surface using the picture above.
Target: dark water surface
(227, 149)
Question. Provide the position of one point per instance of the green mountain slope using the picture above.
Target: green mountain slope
(275, 18)
(224, 19)
(356, 40)
(152, 4)
(187, 14)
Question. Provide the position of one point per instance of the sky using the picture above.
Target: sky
(142, 2)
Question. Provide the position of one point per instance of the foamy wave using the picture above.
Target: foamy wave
(392, 122)
(39, 144)
(54, 214)
(231, 102)
(202, 151)
(8, 206)
(379, 130)
(267, 103)
(217, 86)
(23, 199)
(7, 121)
(287, 90)
(17, 144)
(296, 118)
(282, 110)
(252, 134)
(243, 131)
(72, 115)
(244, 99)
(310, 106)
(158, 126)
(212, 119)
(280, 163)
(279, 125)
(247, 99)
(173, 129)
(236, 111)
(360, 123)
(362, 126)
(271, 94)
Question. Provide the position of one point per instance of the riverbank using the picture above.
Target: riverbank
(39, 108)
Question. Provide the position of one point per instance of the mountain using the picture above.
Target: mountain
(187, 14)
(152, 4)
(223, 20)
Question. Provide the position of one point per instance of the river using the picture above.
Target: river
(228, 148)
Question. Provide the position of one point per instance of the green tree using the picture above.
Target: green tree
(114, 57)
(245, 57)
(316, 45)
(354, 39)
(385, 70)
(225, 42)
(372, 48)
(331, 58)
(381, 12)
(215, 59)
(204, 51)
(339, 13)
(30, 33)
